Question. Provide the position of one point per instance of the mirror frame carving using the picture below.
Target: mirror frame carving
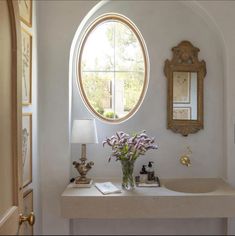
(185, 59)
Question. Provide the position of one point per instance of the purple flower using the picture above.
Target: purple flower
(129, 147)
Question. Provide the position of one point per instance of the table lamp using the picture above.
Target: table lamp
(83, 132)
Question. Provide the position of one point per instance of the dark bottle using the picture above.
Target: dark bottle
(150, 171)
(143, 175)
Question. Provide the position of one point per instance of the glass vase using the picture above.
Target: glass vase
(128, 181)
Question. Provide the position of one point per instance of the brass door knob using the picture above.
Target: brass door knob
(30, 218)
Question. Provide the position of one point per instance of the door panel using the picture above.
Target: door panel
(9, 223)
(10, 118)
(6, 191)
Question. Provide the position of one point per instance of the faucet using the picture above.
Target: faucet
(184, 159)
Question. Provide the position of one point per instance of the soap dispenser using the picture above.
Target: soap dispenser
(150, 171)
(143, 175)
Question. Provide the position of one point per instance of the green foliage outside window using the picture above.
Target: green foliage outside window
(123, 60)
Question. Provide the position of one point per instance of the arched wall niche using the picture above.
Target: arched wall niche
(193, 5)
(163, 18)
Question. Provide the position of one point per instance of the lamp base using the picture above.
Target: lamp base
(82, 185)
(82, 180)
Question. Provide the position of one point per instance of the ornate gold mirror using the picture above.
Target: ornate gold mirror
(185, 75)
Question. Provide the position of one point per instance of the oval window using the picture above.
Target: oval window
(112, 68)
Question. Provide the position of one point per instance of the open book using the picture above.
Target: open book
(107, 188)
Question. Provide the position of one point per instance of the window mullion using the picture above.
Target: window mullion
(114, 71)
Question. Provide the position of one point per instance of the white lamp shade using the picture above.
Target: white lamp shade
(84, 131)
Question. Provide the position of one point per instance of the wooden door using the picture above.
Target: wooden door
(11, 196)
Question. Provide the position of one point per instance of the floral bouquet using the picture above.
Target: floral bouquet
(127, 149)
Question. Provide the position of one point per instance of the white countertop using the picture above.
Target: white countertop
(148, 202)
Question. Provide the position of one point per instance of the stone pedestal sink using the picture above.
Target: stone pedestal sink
(192, 185)
(176, 198)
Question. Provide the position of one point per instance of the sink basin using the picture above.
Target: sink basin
(192, 185)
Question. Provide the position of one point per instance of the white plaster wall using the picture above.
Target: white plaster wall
(223, 15)
(163, 25)
(57, 23)
(150, 227)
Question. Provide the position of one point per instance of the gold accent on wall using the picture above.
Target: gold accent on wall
(185, 59)
(184, 160)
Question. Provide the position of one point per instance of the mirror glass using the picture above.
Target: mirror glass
(185, 95)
